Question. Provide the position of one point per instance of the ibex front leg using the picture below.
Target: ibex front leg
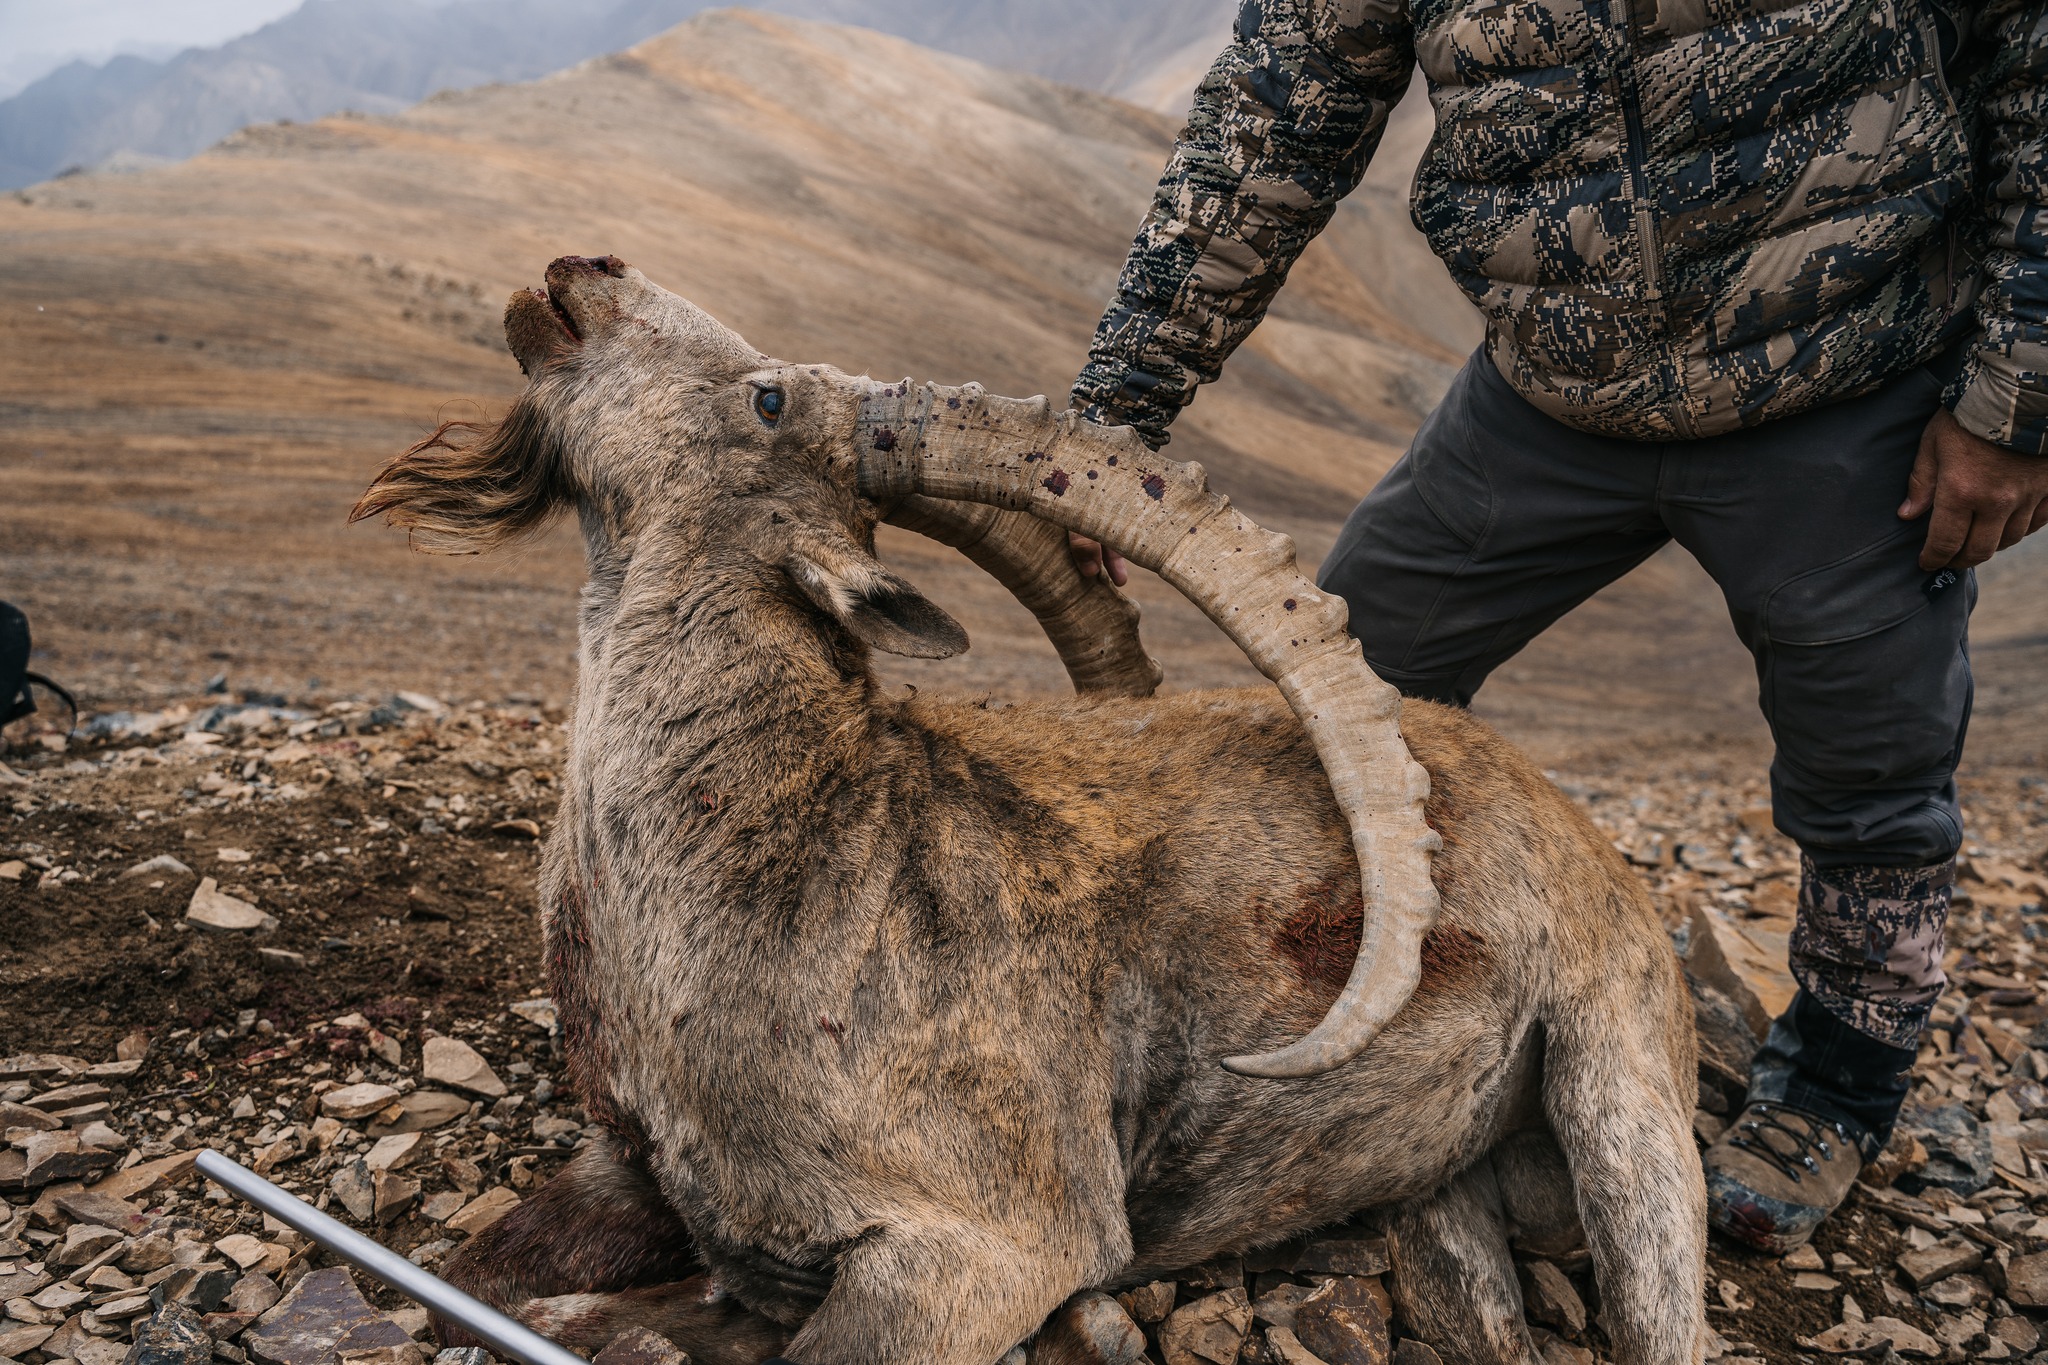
(947, 1293)
(597, 1250)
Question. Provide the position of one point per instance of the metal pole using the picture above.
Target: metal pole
(502, 1334)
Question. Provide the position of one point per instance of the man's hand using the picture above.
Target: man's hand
(1985, 498)
(1092, 557)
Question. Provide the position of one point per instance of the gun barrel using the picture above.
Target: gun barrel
(502, 1334)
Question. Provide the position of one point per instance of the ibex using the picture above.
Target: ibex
(910, 1019)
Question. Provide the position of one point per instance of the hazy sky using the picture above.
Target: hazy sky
(37, 36)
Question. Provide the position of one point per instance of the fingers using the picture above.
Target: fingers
(2040, 517)
(1093, 557)
(2018, 527)
(1920, 483)
(1982, 543)
(1087, 554)
(1947, 532)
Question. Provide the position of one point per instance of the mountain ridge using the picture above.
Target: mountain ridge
(209, 358)
(380, 56)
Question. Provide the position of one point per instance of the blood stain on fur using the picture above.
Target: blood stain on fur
(1320, 939)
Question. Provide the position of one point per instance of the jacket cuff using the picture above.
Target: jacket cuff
(2001, 400)
(1115, 396)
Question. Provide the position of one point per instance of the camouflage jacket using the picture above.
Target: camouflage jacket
(1679, 217)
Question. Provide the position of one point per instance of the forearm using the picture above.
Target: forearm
(2001, 395)
(1282, 129)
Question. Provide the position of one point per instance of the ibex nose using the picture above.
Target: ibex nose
(588, 265)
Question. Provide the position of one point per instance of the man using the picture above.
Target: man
(1767, 279)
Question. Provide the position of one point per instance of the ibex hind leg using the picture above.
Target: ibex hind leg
(1619, 1087)
(1454, 1279)
(597, 1250)
(1536, 1194)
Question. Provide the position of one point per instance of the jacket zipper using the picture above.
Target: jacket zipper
(1638, 155)
(1930, 37)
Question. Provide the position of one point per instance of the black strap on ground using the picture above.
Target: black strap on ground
(63, 695)
(17, 697)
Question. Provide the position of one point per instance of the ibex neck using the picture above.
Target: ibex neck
(710, 708)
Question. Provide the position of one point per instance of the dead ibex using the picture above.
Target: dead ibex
(911, 1019)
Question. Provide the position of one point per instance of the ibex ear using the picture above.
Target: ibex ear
(877, 606)
(469, 488)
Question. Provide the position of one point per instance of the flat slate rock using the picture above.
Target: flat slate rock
(2026, 1280)
(323, 1316)
(1958, 1149)
(450, 1061)
(357, 1101)
(200, 1287)
(50, 1157)
(1210, 1330)
(91, 1206)
(1089, 1329)
(424, 1110)
(173, 1335)
(163, 865)
(213, 908)
(1343, 1256)
(639, 1346)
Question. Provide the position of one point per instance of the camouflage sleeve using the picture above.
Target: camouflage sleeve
(1282, 128)
(2002, 392)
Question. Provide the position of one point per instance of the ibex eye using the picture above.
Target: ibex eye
(768, 404)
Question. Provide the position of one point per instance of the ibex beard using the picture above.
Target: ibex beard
(905, 1016)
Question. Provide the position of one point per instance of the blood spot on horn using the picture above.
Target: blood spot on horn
(885, 439)
(1057, 483)
(1155, 488)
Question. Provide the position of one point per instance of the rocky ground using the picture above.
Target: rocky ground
(300, 931)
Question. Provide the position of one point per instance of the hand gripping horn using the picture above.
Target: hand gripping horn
(966, 445)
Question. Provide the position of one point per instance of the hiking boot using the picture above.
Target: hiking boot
(1776, 1173)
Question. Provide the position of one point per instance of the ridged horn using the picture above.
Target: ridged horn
(1092, 626)
(966, 445)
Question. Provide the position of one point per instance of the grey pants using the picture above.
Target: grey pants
(1499, 520)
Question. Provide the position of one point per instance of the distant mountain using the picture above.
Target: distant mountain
(204, 361)
(380, 56)
(1119, 47)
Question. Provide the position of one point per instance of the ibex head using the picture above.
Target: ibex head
(652, 417)
(642, 407)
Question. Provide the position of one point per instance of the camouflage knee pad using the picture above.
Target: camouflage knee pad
(1868, 945)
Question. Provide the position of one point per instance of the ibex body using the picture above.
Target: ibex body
(906, 1015)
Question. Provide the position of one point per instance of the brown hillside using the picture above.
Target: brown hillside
(200, 365)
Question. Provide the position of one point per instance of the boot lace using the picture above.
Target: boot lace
(1806, 1136)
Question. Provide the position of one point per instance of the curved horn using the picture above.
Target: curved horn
(1092, 625)
(1104, 482)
